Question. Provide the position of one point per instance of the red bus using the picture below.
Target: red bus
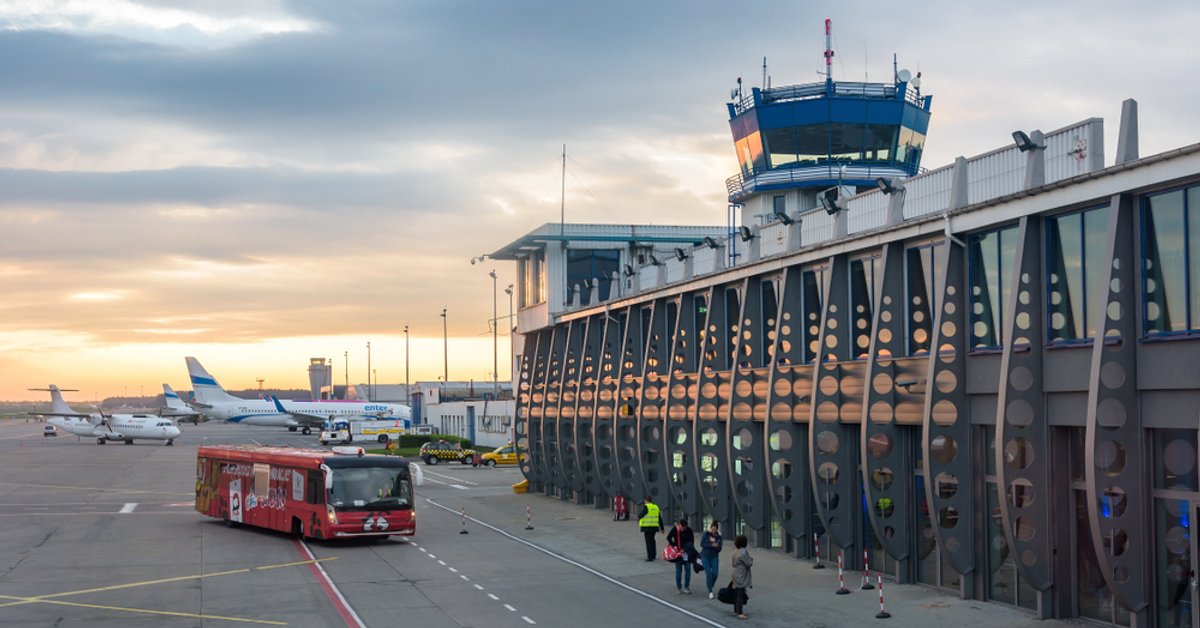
(307, 492)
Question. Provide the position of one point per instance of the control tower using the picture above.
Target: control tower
(798, 141)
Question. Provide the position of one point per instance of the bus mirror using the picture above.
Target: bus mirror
(328, 473)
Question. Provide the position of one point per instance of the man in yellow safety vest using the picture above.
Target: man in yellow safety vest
(650, 521)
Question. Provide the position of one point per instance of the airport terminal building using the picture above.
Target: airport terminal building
(986, 376)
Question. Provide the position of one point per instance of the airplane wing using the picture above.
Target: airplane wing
(78, 415)
(304, 419)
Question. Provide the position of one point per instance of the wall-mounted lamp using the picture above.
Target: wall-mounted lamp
(711, 243)
(746, 234)
(628, 270)
(1024, 143)
(907, 382)
(888, 186)
(829, 201)
(654, 260)
(784, 218)
(680, 254)
(478, 258)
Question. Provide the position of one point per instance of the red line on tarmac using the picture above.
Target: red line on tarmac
(331, 591)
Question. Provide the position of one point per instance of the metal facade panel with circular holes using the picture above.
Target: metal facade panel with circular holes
(521, 422)
(606, 404)
(748, 407)
(554, 380)
(946, 433)
(886, 463)
(682, 384)
(537, 402)
(653, 400)
(1022, 431)
(585, 405)
(788, 400)
(629, 388)
(831, 443)
(1116, 442)
(568, 446)
(712, 402)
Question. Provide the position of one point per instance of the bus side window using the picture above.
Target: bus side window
(262, 480)
(315, 493)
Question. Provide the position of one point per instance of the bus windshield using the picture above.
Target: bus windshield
(370, 487)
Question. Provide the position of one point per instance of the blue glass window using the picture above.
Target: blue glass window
(585, 267)
(990, 259)
(1075, 272)
(1171, 246)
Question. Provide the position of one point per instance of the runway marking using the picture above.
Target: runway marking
(493, 596)
(442, 563)
(599, 574)
(459, 487)
(465, 578)
(528, 620)
(91, 514)
(120, 491)
(510, 607)
(432, 556)
(339, 603)
(127, 508)
(147, 611)
(451, 477)
(479, 587)
(452, 569)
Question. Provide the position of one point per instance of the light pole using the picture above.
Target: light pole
(374, 374)
(512, 323)
(369, 387)
(407, 392)
(346, 365)
(329, 378)
(495, 342)
(445, 348)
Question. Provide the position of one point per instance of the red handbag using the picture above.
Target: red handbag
(672, 553)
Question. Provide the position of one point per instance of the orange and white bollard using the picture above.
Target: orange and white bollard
(817, 553)
(865, 584)
(841, 590)
(528, 517)
(882, 614)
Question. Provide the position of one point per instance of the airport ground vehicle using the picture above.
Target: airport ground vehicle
(434, 452)
(346, 432)
(342, 493)
(49, 431)
(501, 455)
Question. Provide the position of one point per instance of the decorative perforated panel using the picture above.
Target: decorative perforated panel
(679, 435)
(712, 402)
(748, 408)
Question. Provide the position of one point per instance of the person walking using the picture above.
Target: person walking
(682, 537)
(650, 522)
(710, 549)
(742, 561)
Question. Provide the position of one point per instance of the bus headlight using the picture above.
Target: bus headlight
(332, 514)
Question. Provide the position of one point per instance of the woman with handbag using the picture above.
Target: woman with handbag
(682, 539)
(710, 549)
(742, 561)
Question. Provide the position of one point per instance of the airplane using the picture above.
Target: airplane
(212, 400)
(106, 427)
(176, 408)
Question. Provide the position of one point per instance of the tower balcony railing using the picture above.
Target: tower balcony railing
(740, 186)
(810, 91)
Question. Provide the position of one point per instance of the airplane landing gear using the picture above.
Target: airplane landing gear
(171, 443)
(306, 431)
(100, 441)
(292, 429)
(128, 441)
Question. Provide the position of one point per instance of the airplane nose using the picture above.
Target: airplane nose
(174, 432)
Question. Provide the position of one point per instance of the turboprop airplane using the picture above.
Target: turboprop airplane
(106, 427)
(212, 400)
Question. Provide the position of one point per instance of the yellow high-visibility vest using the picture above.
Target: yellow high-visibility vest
(651, 519)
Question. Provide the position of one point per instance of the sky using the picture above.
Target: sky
(256, 183)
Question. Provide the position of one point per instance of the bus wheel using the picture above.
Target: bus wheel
(306, 431)
(297, 527)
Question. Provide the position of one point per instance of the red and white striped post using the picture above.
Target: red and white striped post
(841, 590)
(528, 517)
(817, 553)
(882, 614)
(865, 584)
(464, 522)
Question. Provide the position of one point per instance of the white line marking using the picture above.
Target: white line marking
(452, 569)
(493, 596)
(332, 586)
(127, 508)
(582, 566)
(442, 563)
(528, 620)
(510, 607)
(432, 556)
(479, 587)
(435, 481)
(451, 477)
(459, 487)
(465, 578)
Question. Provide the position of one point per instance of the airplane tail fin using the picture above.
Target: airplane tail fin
(57, 404)
(205, 386)
(172, 401)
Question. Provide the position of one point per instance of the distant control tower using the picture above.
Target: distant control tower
(796, 142)
(320, 375)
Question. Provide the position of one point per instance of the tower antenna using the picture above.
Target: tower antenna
(828, 49)
(764, 83)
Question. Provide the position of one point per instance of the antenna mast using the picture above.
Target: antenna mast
(562, 211)
(828, 49)
(764, 83)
